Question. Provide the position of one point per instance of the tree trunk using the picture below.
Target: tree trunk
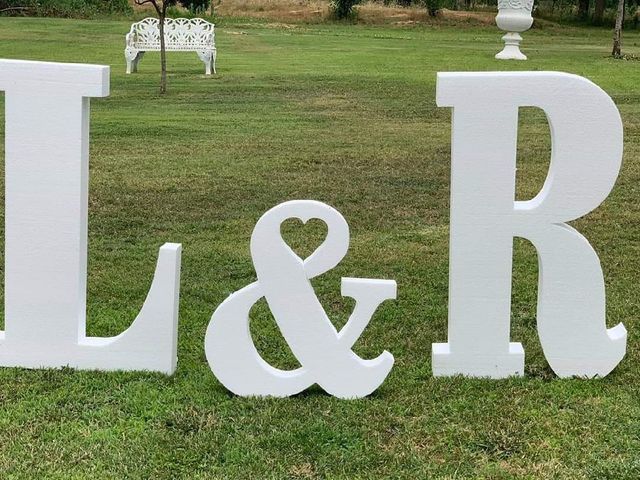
(598, 12)
(583, 9)
(163, 52)
(617, 32)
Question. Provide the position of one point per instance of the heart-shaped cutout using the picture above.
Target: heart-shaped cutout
(303, 238)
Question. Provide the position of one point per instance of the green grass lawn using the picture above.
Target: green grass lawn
(345, 115)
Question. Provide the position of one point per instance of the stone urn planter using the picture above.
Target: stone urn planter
(514, 16)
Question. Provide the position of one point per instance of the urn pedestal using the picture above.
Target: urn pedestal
(514, 17)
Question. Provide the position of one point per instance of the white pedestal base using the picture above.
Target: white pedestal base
(470, 364)
(511, 50)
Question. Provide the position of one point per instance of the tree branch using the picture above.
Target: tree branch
(152, 2)
(8, 9)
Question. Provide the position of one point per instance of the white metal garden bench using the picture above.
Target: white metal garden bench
(181, 35)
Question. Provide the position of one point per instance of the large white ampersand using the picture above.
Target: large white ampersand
(283, 279)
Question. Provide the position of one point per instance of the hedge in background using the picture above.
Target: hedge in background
(64, 8)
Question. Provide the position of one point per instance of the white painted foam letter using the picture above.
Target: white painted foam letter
(47, 173)
(586, 135)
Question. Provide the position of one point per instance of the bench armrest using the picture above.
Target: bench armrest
(129, 39)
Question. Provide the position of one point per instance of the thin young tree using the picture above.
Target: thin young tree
(617, 32)
(161, 9)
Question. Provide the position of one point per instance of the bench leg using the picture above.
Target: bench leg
(136, 61)
(207, 58)
(132, 56)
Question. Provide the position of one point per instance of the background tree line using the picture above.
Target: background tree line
(596, 12)
(65, 8)
(86, 8)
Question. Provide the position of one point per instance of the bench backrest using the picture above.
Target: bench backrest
(178, 33)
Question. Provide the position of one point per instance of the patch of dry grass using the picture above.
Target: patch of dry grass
(275, 10)
(316, 11)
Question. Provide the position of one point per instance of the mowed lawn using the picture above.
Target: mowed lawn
(345, 115)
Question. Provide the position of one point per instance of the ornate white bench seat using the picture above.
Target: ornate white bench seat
(180, 34)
